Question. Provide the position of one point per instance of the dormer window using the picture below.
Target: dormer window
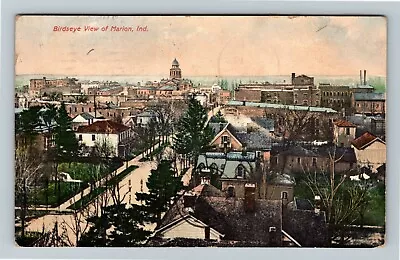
(240, 171)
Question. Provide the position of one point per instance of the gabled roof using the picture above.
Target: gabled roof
(255, 140)
(103, 127)
(265, 123)
(228, 128)
(365, 140)
(227, 217)
(343, 123)
(85, 115)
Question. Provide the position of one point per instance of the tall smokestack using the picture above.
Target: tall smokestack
(361, 78)
(365, 77)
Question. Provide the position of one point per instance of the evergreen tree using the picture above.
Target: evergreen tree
(193, 135)
(218, 118)
(163, 185)
(118, 226)
(66, 143)
(27, 122)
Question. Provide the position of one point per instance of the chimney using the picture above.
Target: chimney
(221, 126)
(317, 204)
(189, 200)
(361, 78)
(205, 180)
(293, 76)
(249, 197)
(365, 77)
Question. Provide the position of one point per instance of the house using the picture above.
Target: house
(228, 138)
(144, 118)
(203, 99)
(82, 119)
(206, 216)
(370, 103)
(343, 133)
(119, 137)
(297, 159)
(129, 121)
(280, 187)
(234, 169)
(370, 151)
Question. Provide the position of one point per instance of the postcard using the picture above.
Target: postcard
(200, 131)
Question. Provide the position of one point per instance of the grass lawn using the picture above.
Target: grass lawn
(96, 192)
(67, 189)
(86, 172)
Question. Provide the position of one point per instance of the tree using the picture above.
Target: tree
(165, 118)
(28, 164)
(193, 133)
(65, 140)
(26, 124)
(118, 226)
(340, 198)
(218, 118)
(163, 185)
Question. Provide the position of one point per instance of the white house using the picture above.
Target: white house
(118, 136)
(144, 118)
(370, 151)
(202, 98)
(86, 85)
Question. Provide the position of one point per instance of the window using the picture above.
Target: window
(129, 182)
(83, 109)
(225, 139)
(240, 171)
(314, 162)
(76, 109)
(90, 109)
(80, 138)
(298, 160)
(284, 195)
(93, 137)
(231, 191)
(347, 130)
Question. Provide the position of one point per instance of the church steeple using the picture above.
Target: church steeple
(175, 71)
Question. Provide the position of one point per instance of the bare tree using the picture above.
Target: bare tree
(340, 198)
(28, 165)
(165, 119)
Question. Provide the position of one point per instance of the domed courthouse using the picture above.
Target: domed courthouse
(175, 72)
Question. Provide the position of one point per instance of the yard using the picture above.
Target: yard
(87, 173)
(96, 192)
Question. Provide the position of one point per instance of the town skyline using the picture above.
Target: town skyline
(255, 46)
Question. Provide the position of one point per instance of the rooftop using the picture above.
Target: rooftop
(103, 127)
(364, 140)
(280, 106)
(344, 123)
(369, 96)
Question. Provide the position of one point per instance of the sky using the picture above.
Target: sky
(203, 45)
